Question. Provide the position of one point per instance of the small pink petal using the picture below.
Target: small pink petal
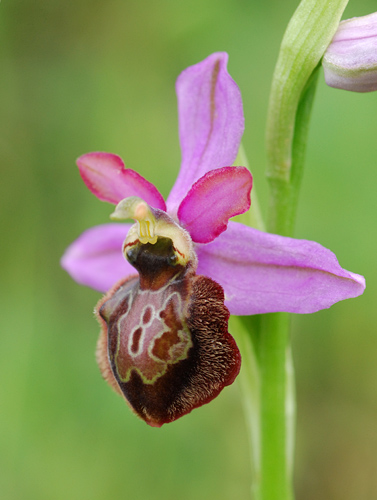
(212, 200)
(211, 122)
(107, 178)
(95, 259)
(262, 272)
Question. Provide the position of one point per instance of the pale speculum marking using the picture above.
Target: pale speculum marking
(137, 335)
(152, 336)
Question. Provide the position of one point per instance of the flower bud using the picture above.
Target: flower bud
(350, 61)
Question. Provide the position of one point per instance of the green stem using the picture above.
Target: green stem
(267, 377)
(263, 369)
(276, 365)
(305, 41)
(275, 465)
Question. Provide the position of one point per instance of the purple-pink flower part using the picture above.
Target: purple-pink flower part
(350, 61)
(190, 240)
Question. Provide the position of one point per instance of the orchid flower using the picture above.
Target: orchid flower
(174, 312)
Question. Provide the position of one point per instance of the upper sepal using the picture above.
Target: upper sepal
(211, 122)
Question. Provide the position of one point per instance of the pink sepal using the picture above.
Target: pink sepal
(95, 259)
(262, 272)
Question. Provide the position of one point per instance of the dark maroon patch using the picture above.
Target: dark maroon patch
(136, 340)
(147, 315)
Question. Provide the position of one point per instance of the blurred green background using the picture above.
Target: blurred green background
(91, 75)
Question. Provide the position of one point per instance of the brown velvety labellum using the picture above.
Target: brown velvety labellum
(165, 345)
